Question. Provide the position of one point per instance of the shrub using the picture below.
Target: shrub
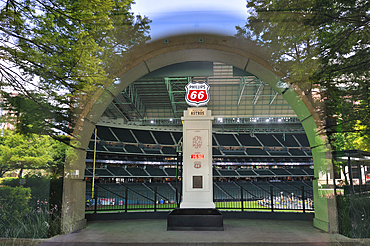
(40, 188)
(38, 216)
(14, 200)
(354, 215)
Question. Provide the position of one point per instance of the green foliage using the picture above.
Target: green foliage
(65, 51)
(323, 47)
(8, 179)
(44, 203)
(354, 215)
(351, 140)
(23, 151)
(40, 188)
(61, 152)
(14, 200)
(28, 112)
(282, 28)
(34, 224)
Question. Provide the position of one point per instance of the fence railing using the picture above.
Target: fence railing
(269, 198)
(114, 197)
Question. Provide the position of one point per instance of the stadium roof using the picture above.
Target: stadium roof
(233, 93)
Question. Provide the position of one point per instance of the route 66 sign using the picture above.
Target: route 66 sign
(197, 94)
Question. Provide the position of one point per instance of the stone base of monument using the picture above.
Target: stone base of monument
(195, 219)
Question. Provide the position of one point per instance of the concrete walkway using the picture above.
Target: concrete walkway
(236, 232)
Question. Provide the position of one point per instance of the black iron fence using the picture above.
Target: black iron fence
(264, 198)
(141, 197)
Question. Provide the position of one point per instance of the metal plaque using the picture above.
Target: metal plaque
(197, 182)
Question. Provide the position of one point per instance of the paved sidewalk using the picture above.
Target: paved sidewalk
(236, 232)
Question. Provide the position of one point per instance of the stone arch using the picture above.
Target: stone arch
(198, 47)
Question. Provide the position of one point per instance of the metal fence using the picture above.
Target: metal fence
(140, 198)
(268, 198)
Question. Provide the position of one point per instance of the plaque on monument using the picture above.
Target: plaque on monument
(197, 182)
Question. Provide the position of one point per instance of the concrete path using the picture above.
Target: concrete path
(236, 232)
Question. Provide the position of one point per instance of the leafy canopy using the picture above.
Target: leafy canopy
(19, 151)
(57, 53)
(323, 47)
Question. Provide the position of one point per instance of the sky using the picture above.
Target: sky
(174, 17)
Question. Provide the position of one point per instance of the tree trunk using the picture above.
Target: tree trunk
(21, 171)
(345, 176)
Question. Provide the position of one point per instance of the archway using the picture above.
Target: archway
(197, 47)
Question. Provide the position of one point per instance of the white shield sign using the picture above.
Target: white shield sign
(197, 94)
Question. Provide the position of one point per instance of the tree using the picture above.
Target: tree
(281, 28)
(57, 53)
(341, 141)
(23, 152)
(323, 47)
(26, 115)
(61, 151)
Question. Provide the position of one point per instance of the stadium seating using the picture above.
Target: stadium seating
(165, 191)
(155, 172)
(256, 151)
(99, 172)
(124, 135)
(297, 171)
(239, 152)
(302, 138)
(169, 150)
(154, 145)
(133, 149)
(144, 136)
(172, 172)
(119, 171)
(268, 140)
(105, 134)
(280, 172)
(289, 140)
(246, 172)
(163, 137)
(297, 152)
(216, 152)
(99, 147)
(309, 171)
(115, 148)
(215, 173)
(152, 171)
(152, 151)
(247, 140)
(137, 172)
(264, 172)
(226, 139)
(227, 173)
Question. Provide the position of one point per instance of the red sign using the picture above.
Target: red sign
(197, 156)
(197, 165)
(197, 94)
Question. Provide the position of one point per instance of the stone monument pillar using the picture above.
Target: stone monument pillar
(197, 209)
(197, 181)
